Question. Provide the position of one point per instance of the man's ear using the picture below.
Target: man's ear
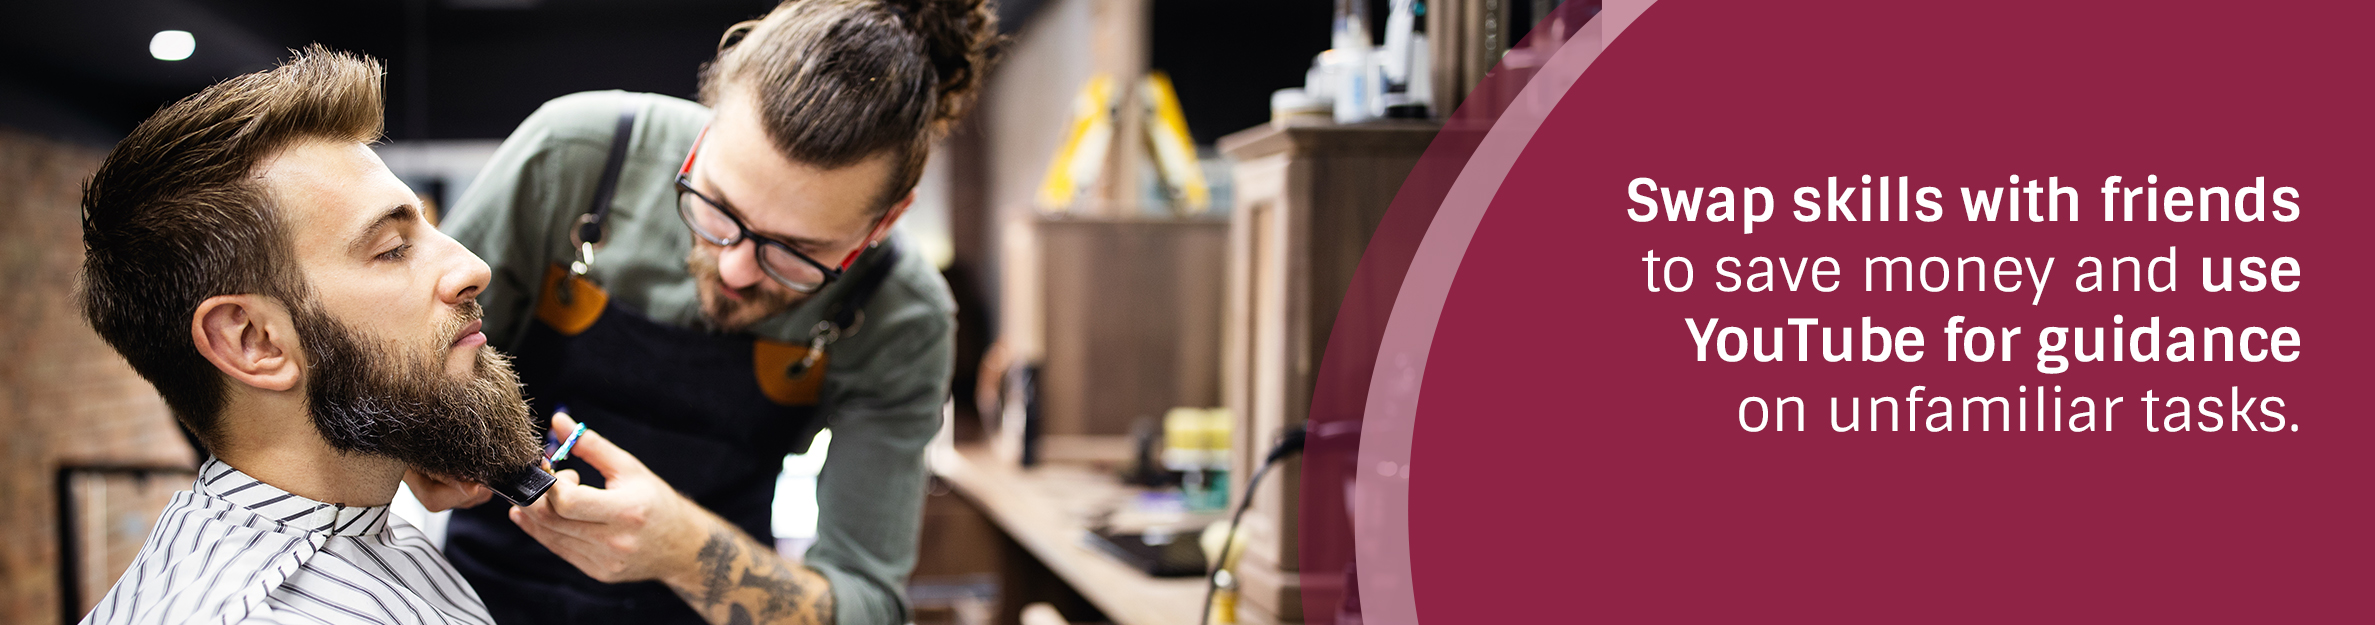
(882, 227)
(250, 338)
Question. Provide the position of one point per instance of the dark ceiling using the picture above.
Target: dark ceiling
(1226, 56)
(472, 69)
(80, 69)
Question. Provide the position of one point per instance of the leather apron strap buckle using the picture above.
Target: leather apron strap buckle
(825, 333)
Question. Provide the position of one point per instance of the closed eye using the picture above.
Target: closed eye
(377, 232)
(396, 254)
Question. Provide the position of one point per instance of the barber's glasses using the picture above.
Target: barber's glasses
(714, 222)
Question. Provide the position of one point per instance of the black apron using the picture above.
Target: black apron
(712, 414)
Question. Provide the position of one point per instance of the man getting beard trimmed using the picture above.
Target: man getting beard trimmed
(252, 258)
(394, 400)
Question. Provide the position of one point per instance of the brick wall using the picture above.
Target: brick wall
(65, 397)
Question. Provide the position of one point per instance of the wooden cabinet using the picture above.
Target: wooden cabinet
(1308, 199)
(1132, 319)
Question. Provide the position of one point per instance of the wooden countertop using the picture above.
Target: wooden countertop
(1047, 509)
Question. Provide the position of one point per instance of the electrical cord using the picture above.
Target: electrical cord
(1290, 443)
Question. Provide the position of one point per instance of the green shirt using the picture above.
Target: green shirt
(883, 389)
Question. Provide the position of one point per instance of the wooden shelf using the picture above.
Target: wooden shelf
(1395, 137)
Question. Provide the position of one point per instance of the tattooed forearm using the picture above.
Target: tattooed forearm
(737, 581)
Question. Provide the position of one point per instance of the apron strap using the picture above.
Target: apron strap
(589, 230)
(844, 315)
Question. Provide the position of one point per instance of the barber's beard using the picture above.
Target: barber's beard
(396, 400)
(723, 312)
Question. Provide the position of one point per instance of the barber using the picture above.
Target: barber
(708, 285)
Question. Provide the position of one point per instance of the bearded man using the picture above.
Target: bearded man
(253, 259)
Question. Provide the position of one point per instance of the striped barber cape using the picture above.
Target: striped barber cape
(236, 550)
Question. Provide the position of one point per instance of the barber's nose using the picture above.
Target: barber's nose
(738, 265)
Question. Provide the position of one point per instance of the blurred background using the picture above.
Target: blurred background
(1142, 304)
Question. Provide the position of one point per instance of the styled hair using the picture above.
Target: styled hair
(840, 81)
(176, 214)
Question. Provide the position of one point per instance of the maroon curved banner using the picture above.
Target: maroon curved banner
(1867, 312)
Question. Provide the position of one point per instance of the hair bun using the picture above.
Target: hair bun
(958, 36)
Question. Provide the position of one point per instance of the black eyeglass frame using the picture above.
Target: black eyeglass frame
(684, 210)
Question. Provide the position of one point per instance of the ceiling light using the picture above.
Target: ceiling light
(172, 45)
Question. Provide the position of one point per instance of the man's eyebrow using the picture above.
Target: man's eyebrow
(728, 206)
(400, 215)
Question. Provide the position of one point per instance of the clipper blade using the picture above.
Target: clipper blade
(523, 486)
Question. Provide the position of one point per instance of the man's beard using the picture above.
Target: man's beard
(724, 313)
(397, 401)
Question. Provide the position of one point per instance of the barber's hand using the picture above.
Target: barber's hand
(636, 528)
(439, 493)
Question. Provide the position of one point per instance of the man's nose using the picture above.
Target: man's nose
(465, 275)
(738, 265)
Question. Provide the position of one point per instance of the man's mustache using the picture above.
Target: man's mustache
(464, 315)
